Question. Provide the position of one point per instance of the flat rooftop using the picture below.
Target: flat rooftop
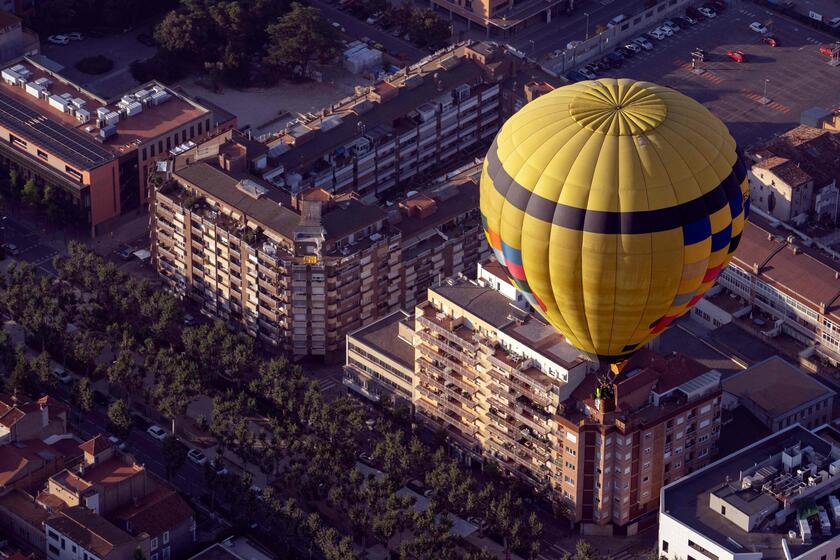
(360, 113)
(383, 336)
(492, 307)
(35, 120)
(776, 386)
(687, 500)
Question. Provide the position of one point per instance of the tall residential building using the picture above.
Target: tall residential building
(388, 136)
(502, 18)
(506, 387)
(782, 276)
(93, 153)
(775, 499)
(301, 271)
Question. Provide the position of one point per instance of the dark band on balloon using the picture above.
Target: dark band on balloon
(728, 192)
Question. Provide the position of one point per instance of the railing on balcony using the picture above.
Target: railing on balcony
(445, 346)
(446, 330)
(440, 357)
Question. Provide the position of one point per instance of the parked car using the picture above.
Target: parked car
(574, 76)
(59, 39)
(737, 56)
(587, 73)
(758, 28)
(616, 20)
(717, 5)
(126, 252)
(556, 53)
(197, 456)
(61, 374)
(157, 432)
(693, 12)
(671, 24)
(633, 47)
(11, 248)
(834, 22)
(573, 45)
(827, 50)
(708, 12)
(189, 320)
(75, 36)
(627, 52)
(666, 30)
(770, 40)
(614, 59)
(686, 20)
(118, 443)
(644, 43)
(656, 34)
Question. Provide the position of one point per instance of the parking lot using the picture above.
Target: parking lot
(797, 76)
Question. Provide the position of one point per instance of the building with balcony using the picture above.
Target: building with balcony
(94, 154)
(493, 377)
(779, 395)
(380, 360)
(387, 137)
(506, 387)
(797, 286)
(775, 499)
(301, 271)
(502, 18)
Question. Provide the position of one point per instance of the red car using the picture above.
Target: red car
(770, 40)
(737, 56)
(828, 50)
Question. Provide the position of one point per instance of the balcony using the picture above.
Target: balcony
(446, 346)
(447, 361)
(449, 328)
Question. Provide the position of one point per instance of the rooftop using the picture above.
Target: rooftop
(788, 171)
(816, 150)
(112, 471)
(76, 140)
(790, 268)
(96, 445)
(90, 530)
(687, 500)
(153, 514)
(776, 386)
(383, 336)
(498, 311)
(357, 113)
(22, 505)
(16, 457)
(238, 548)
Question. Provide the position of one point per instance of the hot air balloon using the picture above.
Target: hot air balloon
(613, 204)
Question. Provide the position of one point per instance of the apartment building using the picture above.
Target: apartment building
(780, 394)
(797, 286)
(776, 498)
(94, 153)
(502, 18)
(162, 517)
(390, 135)
(507, 388)
(492, 376)
(796, 176)
(301, 271)
(380, 360)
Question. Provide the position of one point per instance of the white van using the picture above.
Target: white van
(616, 20)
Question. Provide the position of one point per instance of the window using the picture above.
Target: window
(154, 543)
(154, 556)
(63, 543)
(43, 155)
(837, 553)
(199, 129)
(192, 131)
(17, 141)
(144, 154)
(723, 510)
(54, 536)
(664, 546)
(166, 537)
(152, 150)
(165, 553)
(53, 549)
(73, 173)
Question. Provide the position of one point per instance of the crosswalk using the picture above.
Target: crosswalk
(327, 384)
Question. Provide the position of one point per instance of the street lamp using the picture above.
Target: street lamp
(765, 100)
(587, 25)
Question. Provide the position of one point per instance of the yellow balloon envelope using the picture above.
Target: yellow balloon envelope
(613, 204)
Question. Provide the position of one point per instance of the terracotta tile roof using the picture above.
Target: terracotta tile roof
(90, 530)
(21, 504)
(14, 458)
(795, 272)
(816, 150)
(788, 171)
(112, 471)
(96, 445)
(161, 511)
(71, 481)
(51, 502)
